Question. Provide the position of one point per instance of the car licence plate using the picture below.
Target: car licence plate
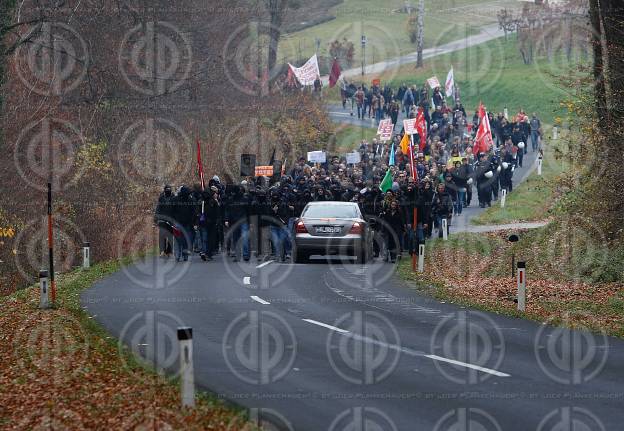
(328, 229)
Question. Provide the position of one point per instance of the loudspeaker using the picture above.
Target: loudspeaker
(248, 165)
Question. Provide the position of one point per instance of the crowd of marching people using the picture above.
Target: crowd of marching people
(259, 213)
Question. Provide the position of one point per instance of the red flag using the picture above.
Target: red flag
(335, 73)
(421, 128)
(483, 139)
(200, 167)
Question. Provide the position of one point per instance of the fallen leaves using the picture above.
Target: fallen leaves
(461, 273)
(56, 374)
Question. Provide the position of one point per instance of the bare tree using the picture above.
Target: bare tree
(420, 40)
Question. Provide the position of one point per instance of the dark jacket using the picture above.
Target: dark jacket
(184, 208)
(164, 208)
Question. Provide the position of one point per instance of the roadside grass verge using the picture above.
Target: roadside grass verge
(532, 200)
(577, 290)
(61, 369)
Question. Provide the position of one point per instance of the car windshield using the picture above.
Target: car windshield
(331, 211)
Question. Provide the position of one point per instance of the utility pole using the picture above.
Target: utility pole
(420, 38)
(363, 53)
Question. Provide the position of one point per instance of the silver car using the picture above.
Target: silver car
(330, 228)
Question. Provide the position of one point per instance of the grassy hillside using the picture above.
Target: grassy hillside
(385, 27)
(492, 72)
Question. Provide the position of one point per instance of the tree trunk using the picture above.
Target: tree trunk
(276, 14)
(421, 33)
(599, 86)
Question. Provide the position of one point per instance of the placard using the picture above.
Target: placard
(354, 157)
(317, 157)
(385, 130)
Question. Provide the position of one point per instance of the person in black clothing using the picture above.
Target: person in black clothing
(394, 228)
(442, 208)
(163, 219)
(484, 174)
(280, 213)
(237, 219)
(184, 215)
(507, 168)
(261, 213)
(208, 219)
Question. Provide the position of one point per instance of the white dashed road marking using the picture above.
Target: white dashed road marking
(325, 325)
(260, 300)
(265, 263)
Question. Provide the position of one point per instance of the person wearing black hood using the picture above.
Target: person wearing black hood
(208, 219)
(394, 228)
(163, 219)
(411, 199)
(184, 216)
(484, 174)
(262, 211)
(427, 202)
(237, 219)
(442, 208)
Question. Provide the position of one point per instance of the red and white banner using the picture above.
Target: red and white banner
(409, 125)
(385, 130)
(433, 82)
(449, 86)
(307, 73)
(483, 138)
(264, 171)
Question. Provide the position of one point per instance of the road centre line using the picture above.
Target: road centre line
(325, 325)
(265, 263)
(260, 300)
(408, 351)
(464, 364)
(246, 280)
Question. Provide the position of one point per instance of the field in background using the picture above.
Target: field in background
(385, 28)
(347, 138)
(492, 72)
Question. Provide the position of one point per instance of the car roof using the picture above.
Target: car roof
(332, 203)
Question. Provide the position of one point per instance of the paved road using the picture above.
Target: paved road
(332, 345)
(406, 362)
(487, 33)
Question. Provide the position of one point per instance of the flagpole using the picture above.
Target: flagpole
(414, 210)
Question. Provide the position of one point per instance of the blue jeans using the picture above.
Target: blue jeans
(534, 140)
(378, 114)
(279, 237)
(241, 231)
(360, 111)
(206, 240)
(181, 243)
(459, 203)
(289, 235)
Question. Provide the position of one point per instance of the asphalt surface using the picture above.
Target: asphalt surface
(274, 339)
(332, 345)
(486, 34)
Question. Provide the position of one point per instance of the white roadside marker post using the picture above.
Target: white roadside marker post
(539, 165)
(503, 197)
(555, 135)
(44, 300)
(444, 229)
(86, 255)
(421, 258)
(521, 277)
(187, 388)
